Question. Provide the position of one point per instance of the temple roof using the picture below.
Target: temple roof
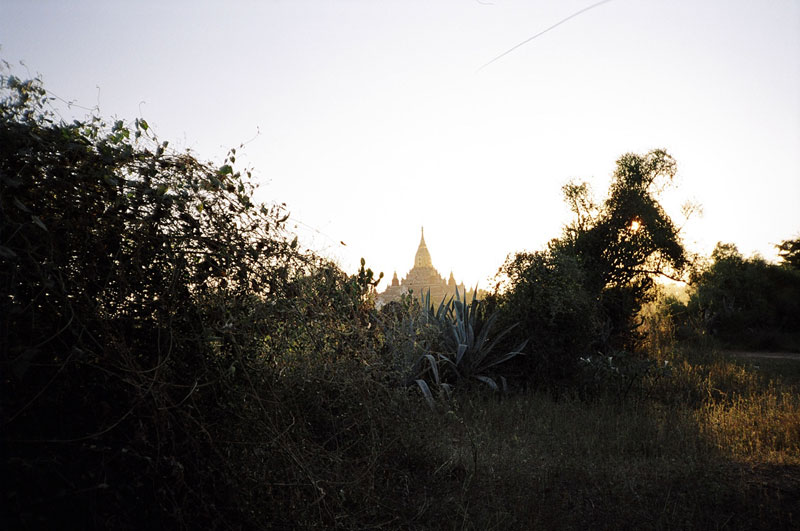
(423, 257)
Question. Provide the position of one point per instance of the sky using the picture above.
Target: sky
(371, 119)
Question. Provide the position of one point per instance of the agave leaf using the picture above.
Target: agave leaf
(488, 381)
(425, 299)
(450, 363)
(487, 326)
(501, 359)
(521, 346)
(448, 389)
(508, 355)
(500, 336)
(434, 367)
(442, 310)
(462, 348)
(426, 392)
(457, 335)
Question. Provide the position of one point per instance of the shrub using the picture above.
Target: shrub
(138, 285)
(545, 293)
(747, 302)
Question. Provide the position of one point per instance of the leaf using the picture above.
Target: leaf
(426, 392)
(19, 205)
(10, 182)
(447, 361)
(434, 367)
(505, 357)
(38, 222)
(448, 389)
(5, 252)
(462, 348)
(225, 170)
(488, 381)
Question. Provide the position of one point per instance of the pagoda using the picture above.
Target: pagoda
(421, 279)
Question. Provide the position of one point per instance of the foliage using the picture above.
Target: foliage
(446, 345)
(746, 301)
(471, 350)
(623, 245)
(622, 376)
(136, 282)
(545, 293)
(583, 294)
(169, 357)
(789, 251)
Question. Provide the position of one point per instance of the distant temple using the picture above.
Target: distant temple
(422, 278)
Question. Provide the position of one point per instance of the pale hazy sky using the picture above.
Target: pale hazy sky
(372, 119)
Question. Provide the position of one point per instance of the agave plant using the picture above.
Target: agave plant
(468, 348)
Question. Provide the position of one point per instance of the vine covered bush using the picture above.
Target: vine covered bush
(169, 357)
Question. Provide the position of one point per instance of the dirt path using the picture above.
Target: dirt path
(764, 355)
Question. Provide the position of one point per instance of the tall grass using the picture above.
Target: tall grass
(715, 445)
(532, 462)
(759, 428)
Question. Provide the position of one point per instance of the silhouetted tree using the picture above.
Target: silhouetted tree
(623, 244)
(585, 291)
(747, 302)
(789, 251)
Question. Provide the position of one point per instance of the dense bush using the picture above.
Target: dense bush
(169, 358)
(747, 302)
(135, 281)
(546, 295)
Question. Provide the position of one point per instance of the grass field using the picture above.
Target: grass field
(715, 446)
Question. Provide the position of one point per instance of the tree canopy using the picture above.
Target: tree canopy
(746, 302)
(789, 252)
(588, 286)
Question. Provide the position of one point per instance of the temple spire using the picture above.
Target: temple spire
(423, 257)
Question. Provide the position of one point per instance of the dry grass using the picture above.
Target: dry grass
(761, 428)
(719, 448)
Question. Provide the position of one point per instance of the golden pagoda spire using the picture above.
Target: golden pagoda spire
(423, 257)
